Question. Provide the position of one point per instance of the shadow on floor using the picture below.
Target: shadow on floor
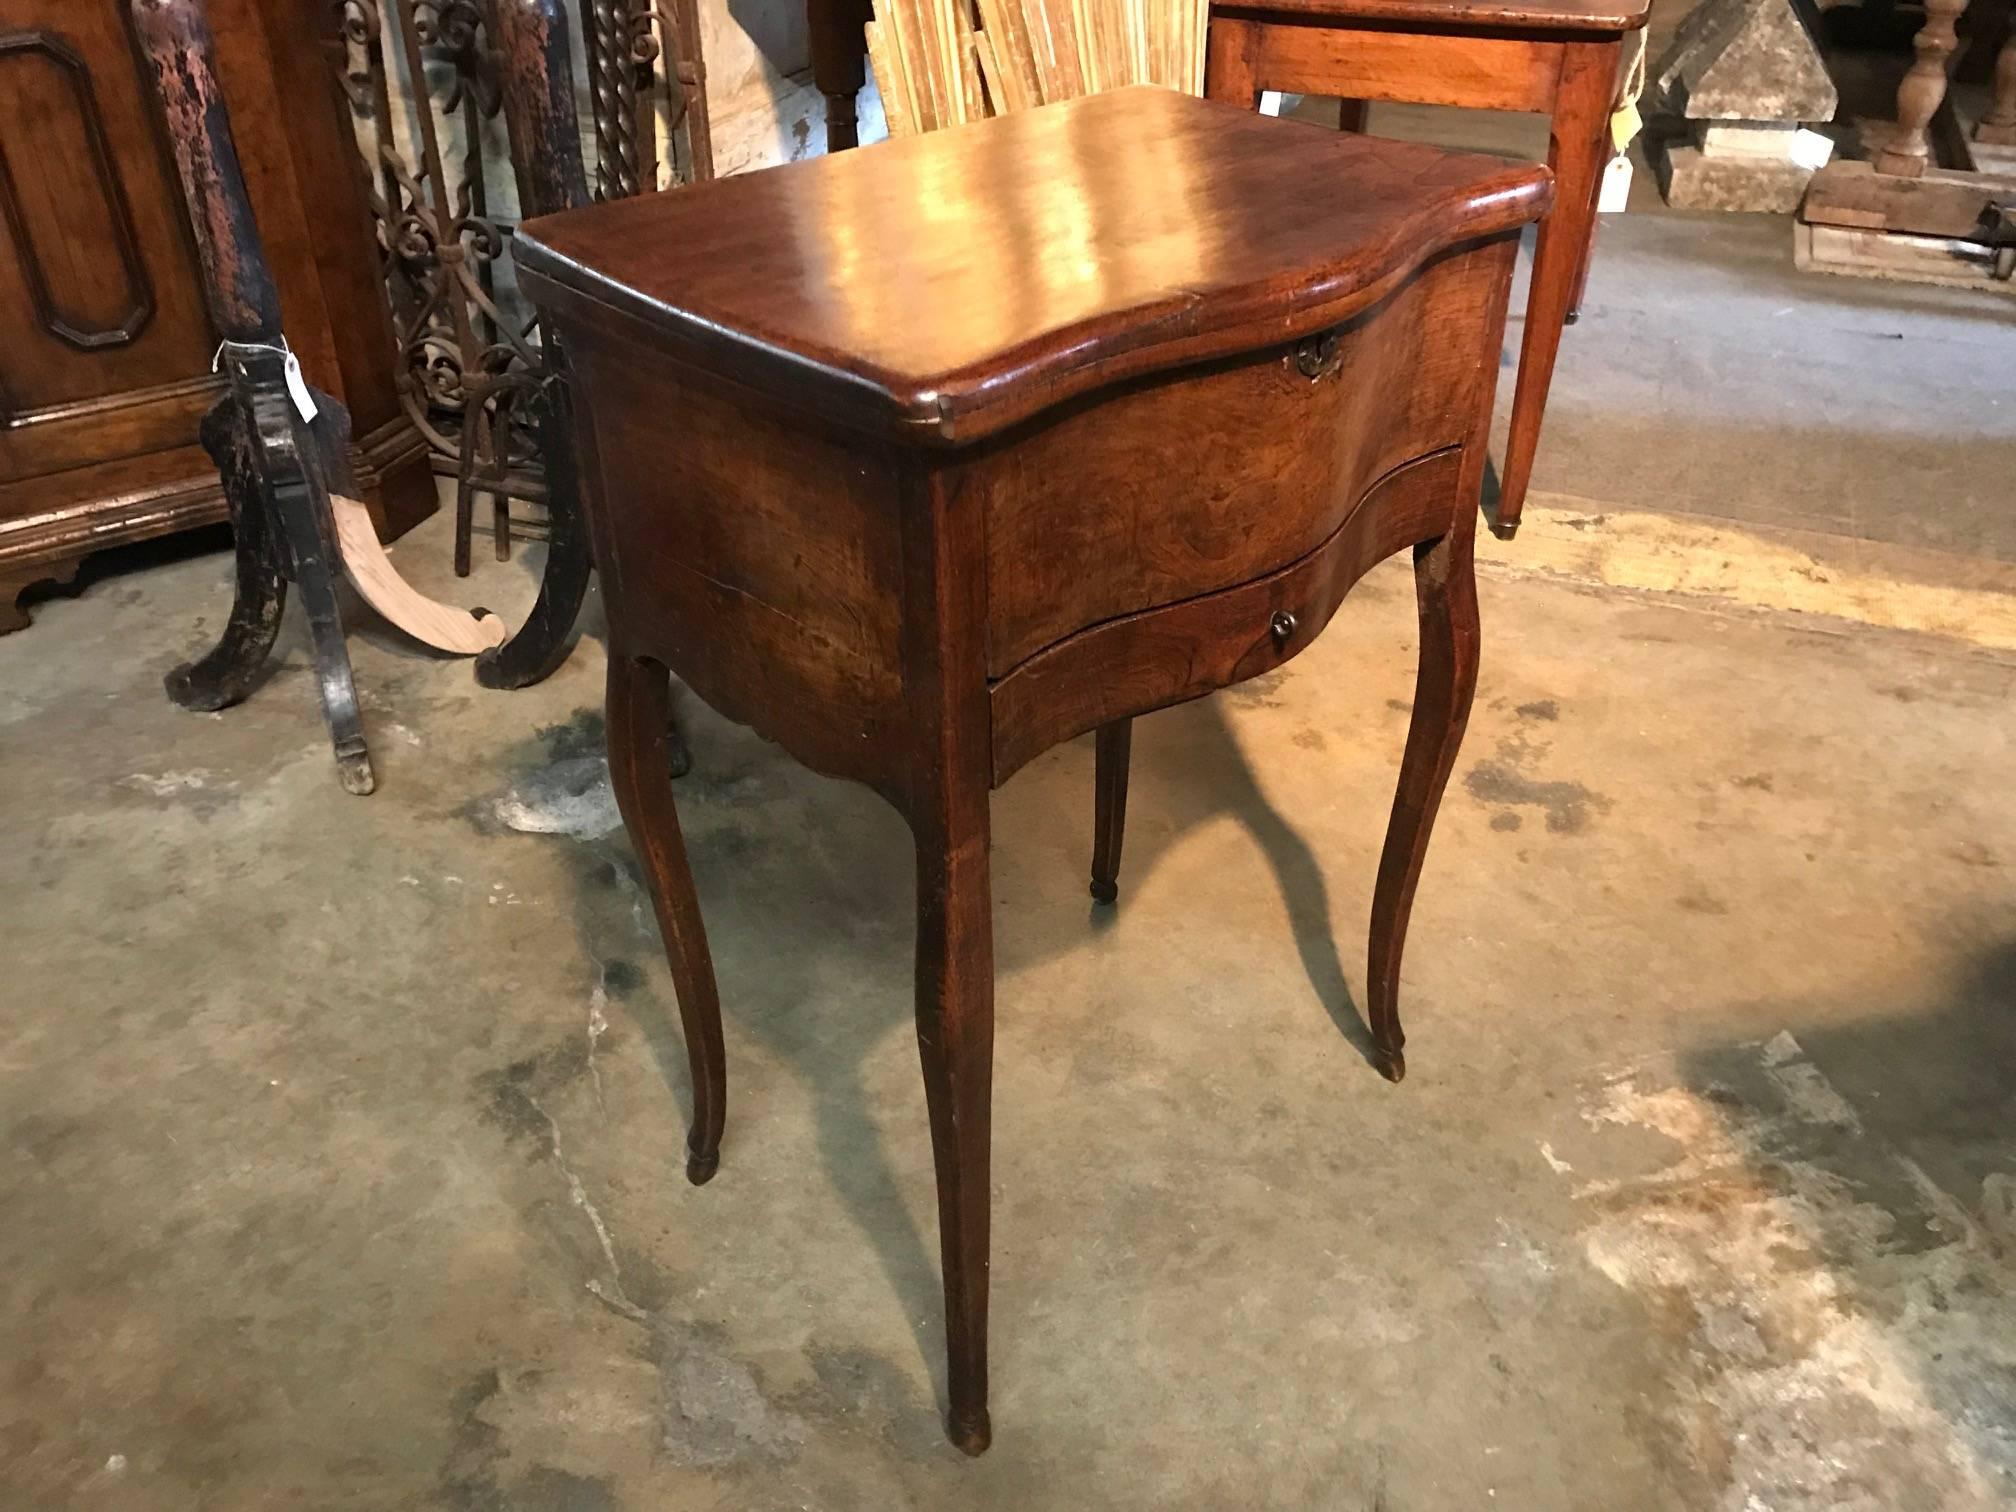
(807, 887)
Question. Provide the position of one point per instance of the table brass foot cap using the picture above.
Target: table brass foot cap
(1104, 891)
(970, 1435)
(1392, 1064)
(700, 1168)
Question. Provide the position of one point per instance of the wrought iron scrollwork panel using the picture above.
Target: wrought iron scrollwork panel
(423, 88)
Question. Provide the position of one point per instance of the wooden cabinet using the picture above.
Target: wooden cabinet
(105, 345)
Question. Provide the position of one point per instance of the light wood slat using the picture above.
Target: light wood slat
(945, 62)
(895, 93)
(1005, 33)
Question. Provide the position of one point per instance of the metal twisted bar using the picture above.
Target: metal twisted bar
(422, 80)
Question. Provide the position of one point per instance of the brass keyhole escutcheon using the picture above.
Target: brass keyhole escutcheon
(1318, 356)
(1282, 626)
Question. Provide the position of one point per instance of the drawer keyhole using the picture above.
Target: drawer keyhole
(1282, 626)
(1318, 356)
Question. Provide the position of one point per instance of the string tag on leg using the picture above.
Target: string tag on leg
(297, 389)
(290, 371)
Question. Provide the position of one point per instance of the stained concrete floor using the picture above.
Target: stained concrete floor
(342, 1136)
(1709, 377)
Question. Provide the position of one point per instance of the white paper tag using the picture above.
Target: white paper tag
(1615, 192)
(297, 388)
(1810, 149)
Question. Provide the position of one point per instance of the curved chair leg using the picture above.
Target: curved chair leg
(1109, 806)
(638, 720)
(955, 1042)
(228, 672)
(1445, 586)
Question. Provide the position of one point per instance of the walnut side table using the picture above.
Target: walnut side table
(1561, 58)
(924, 458)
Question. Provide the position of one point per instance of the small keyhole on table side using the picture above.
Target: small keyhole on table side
(1316, 357)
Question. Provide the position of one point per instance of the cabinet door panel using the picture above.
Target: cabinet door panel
(102, 326)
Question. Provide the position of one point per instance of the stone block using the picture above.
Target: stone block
(1692, 181)
(1747, 60)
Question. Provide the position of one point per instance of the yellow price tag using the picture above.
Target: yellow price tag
(1625, 124)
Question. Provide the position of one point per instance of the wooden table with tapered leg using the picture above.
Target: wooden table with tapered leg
(923, 458)
(1562, 58)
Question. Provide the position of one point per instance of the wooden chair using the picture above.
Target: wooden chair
(1562, 58)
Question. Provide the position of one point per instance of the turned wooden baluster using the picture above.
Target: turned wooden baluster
(1998, 127)
(1909, 152)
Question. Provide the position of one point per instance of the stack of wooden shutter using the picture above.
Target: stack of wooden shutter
(946, 62)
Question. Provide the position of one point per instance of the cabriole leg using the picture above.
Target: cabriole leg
(1445, 587)
(955, 1041)
(639, 713)
(1114, 744)
(229, 671)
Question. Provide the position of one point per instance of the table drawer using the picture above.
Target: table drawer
(1163, 656)
(1165, 489)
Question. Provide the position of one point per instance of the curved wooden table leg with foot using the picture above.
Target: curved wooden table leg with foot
(1114, 746)
(955, 1044)
(639, 714)
(1445, 586)
(917, 543)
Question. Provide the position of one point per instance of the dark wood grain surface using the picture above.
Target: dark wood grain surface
(1236, 470)
(957, 282)
(1142, 662)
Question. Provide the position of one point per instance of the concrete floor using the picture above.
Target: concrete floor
(1709, 377)
(343, 1135)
